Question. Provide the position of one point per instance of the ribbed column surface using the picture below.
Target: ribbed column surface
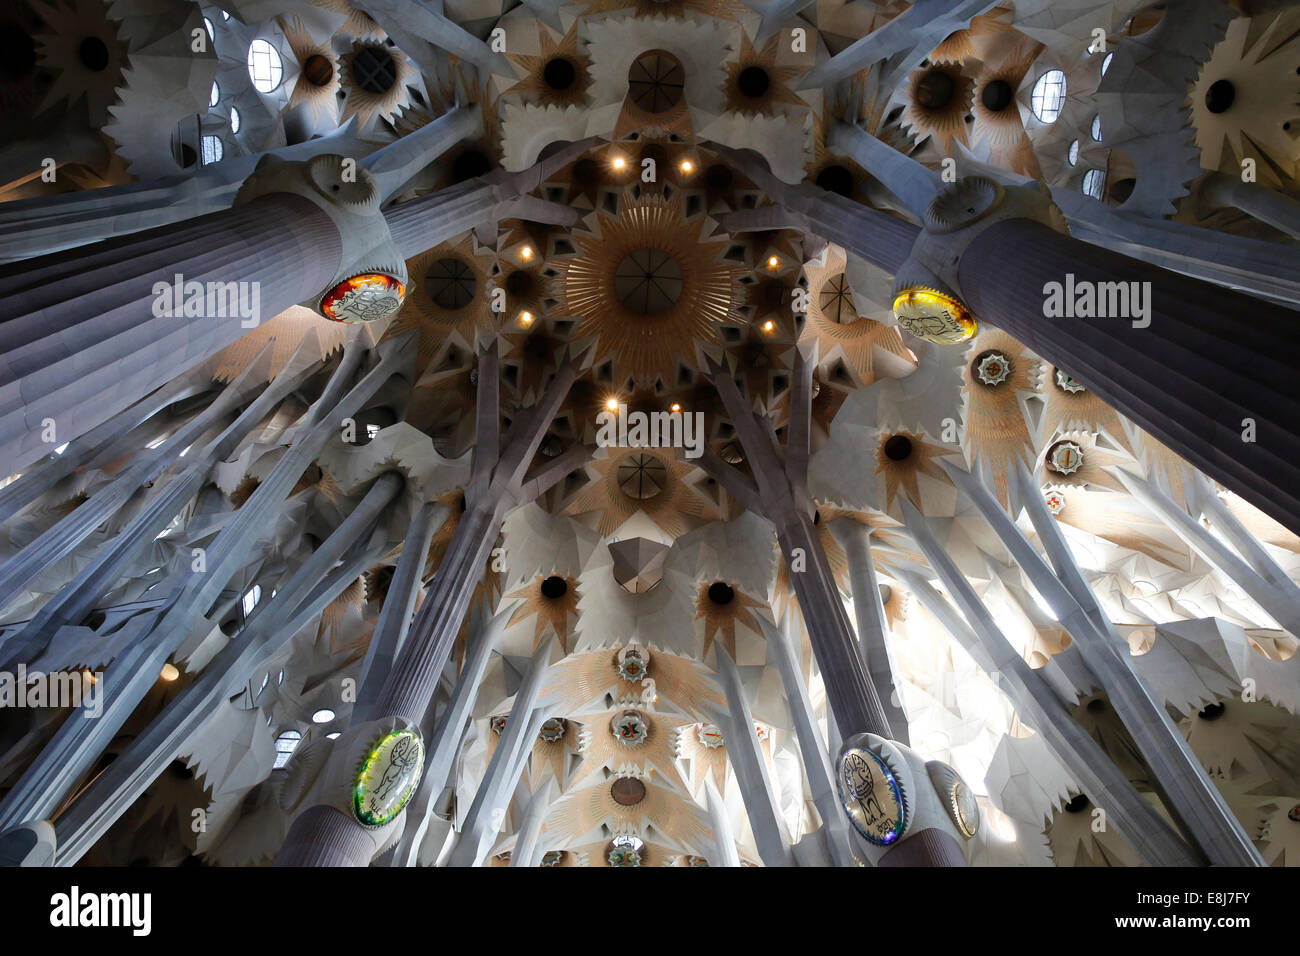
(322, 836)
(80, 339)
(1210, 360)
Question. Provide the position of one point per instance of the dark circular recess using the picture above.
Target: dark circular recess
(898, 447)
(559, 73)
(1121, 190)
(470, 164)
(520, 283)
(1077, 805)
(17, 51)
(721, 593)
(1220, 96)
(450, 283)
(648, 281)
(318, 70)
(836, 179)
(718, 177)
(753, 82)
(656, 81)
(94, 620)
(997, 96)
(178, 770)
(93, 53)
(1212, 711)
(554, 587)
(935, 90)
(187, 157)
(836, 301)
(627, 791)
(1097, 706)
(538, 347)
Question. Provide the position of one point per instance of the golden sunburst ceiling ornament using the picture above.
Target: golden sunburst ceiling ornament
(756, 84)
(318, 81)
(647, 286)
(553, 603)
(901, 457)
(359, 25)
(722, 608)
(661, 485)
(81, 46)
(558, 75)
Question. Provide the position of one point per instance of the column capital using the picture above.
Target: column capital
(371, 279)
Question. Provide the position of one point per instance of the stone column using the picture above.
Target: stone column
(1279, 210)
(1153, 839)
(746, 757)
(1185, 788)
(527, 852)
(873, 626)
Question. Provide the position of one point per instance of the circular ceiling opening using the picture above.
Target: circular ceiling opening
(753, 81)
(721, 593)
(1212, 711)
(451, 283)
(898, 447)
(935, 90)
(1077, 805)
(554, 587)
(93, 54)
(997, 96)
(836, 179)
(318, 70)
(836, 301)
(469, 164)
(627, 791)
(656, 81)
(1220, 96)
(559, 73)
(17, 51)
(520, 284)
(648, 281)
(642, 476)
(374, 70)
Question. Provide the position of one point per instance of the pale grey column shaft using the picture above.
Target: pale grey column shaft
(873, 626)
(724, 841)
(1256, 555)
(399, 604)
(1276, 599)
(483, 820)
(920, 28)
(268, 630)
(445, 740)
(90, 447)
(39, 226)
(1148, 833)
(79, 337)
(1279, 210)
(59, 541)
(75, 600)
(913, 184)
(77, 743)
(821, 783)
(527, 851)
(751, 769)
(1187, 791)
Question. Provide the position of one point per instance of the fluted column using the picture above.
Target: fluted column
(79, 338)
(1153, 839)
(873, 626)
(746, 758)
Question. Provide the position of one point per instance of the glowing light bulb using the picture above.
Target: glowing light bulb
(620, 163)
(769, 325)
(526, 253)
(687, 166)
(525, 318)
(611, 404)
(773, 262)
(675, 407)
